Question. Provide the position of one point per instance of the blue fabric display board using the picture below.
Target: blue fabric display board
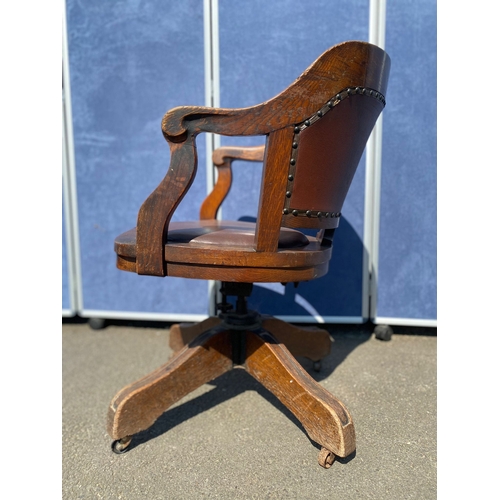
(406, 280)
(264, 47)
(130, 62)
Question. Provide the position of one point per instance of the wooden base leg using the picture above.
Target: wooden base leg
(183, 333)
(325, 419)
(137, 406)
(310, 342)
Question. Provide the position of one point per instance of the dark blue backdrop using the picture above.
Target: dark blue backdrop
(131, 62)
(406, 280)
(264, 47)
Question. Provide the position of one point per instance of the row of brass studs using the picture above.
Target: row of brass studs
(307, 123)
(311, 213)
(334, 101)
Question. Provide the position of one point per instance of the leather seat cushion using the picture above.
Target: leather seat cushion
(227, 234)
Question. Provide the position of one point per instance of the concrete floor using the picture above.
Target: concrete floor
(233, 439)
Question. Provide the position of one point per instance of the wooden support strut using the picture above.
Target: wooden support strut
(325, 418)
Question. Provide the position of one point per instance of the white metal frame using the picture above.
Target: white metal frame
(142, 316)
(430, 323)
(373, 180)
(69, 186)
(72, 308)
(212, 99)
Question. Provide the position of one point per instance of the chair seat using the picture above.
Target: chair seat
(228, 247)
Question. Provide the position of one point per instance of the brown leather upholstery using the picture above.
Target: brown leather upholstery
(329, 152)
(212, 233)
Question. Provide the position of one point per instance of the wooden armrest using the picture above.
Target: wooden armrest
(155, 213)
(249, 153)
(324, 78)
(223, 158)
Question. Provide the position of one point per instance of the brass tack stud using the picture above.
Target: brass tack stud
(307, 123)
(327, 214)
(320, 113)
(292, 161)
(319, 214)
(308, 213)
(296, 130)
(295, 145)
(290, 177)
(285, 211)
(288, 194)
(330, 104)
(295, 213)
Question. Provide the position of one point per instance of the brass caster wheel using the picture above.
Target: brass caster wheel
(326, 458)
(317, 366)
(120, 446)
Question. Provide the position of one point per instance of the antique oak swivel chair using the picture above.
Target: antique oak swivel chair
(315, 133)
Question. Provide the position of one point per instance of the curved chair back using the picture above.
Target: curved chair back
(316, 131)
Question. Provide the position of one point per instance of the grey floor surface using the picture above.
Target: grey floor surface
(233, 439)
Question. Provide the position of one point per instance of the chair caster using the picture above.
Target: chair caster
(317, 366)
(120, 446)
(326, 458)
(383, 332)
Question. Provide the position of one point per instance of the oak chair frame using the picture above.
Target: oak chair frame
(351, 72)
